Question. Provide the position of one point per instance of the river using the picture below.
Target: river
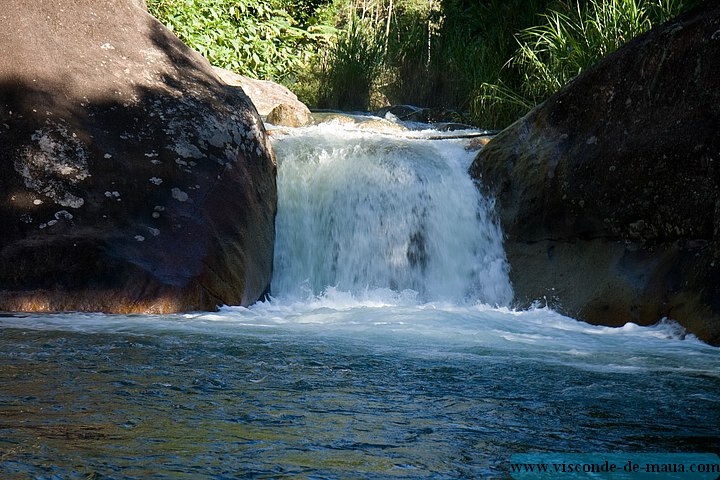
(389, 349)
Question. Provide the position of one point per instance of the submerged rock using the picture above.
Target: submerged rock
(409, 113)
(609, 192)
(441, 118)
(131, 179)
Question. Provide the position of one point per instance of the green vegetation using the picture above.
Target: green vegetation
(495, 59)
(490, 42)
(568, 39)
(255, 38)
(355, 61)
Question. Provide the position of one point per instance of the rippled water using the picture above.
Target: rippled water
(342, 389)
(382, 375)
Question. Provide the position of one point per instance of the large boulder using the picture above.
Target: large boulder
(131, 178)
(609, 192)
(272, 100)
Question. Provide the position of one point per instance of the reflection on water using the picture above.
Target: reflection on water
(359, 392)
(375, 360)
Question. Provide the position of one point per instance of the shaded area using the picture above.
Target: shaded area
(132, 180)
(608, 192)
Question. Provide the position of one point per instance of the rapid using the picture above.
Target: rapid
(389, 348)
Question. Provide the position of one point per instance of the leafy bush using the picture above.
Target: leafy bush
(255, 38)
(496, 58)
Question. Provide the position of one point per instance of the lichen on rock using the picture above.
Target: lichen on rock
(143, 184)
(53, 162)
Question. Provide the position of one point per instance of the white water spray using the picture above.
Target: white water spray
(361, 212)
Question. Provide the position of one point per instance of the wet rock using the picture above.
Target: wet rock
(407, 113)
(608, 192)
(441, 118)
(478, 142)
(452, 126)
(381, 125)
(131, 179)
(333, 117)
(361, 122)
(287, 116)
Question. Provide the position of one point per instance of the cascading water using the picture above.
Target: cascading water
(359, 211)
(385, 352)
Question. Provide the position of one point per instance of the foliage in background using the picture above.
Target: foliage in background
(478, 41)
(495, 59)
(354, 63)
(255, 38)
(412, 31)
(392, 41)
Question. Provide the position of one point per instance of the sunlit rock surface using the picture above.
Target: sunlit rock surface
(131, 178)
(609, 192)
(271, 99)
(288, 116)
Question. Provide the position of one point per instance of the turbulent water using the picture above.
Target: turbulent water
(359, 211)
(387, 351)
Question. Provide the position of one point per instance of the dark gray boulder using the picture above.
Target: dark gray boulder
(131, 178)
(609, 192)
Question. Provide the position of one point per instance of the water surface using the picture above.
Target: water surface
(388, 350)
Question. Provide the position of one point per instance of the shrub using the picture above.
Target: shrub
(255, 38)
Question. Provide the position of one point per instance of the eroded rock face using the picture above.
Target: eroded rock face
(609, 192)
(131, 178)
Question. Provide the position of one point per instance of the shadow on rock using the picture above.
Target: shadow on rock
(132, 179)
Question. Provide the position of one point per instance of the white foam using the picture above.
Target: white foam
(359, 211)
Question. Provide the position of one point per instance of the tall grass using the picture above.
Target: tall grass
(495, 58)
(568, 40)
(353, 65)
(413, 31)
(494, 28)
(435, 52)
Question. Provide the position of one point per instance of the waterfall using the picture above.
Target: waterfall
(376, 357)
(361, 211)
